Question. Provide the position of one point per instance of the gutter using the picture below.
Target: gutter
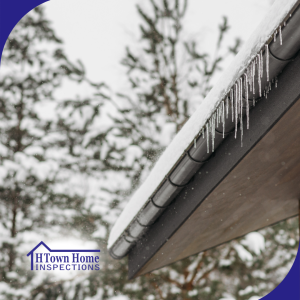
(224, 121)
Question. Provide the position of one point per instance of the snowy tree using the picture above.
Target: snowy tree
(37, 195)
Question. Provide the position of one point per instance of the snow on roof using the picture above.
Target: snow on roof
(278, 12)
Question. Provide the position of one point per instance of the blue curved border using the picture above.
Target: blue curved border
(289, 288)
(11, 12)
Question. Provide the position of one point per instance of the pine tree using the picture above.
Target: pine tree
(37, 197)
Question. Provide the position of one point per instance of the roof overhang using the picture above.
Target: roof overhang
(239, 190)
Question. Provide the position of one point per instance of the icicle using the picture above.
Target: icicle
(246, 86)
(267, 61)
(241, 95)
(214, 134)
(236, 110)
(249, 72)
(259, 77)
(223, 118)
(253, 78)
(270, 86)
(213, 128)
(261, 64)
(284, 23)
(211, 122)
(275, 36)
(195, 143)
(207, 136)
(238, 96)
(247, 101)
(276, 81)
(280, 35)
(227, 104)
(203, 133)
(241, 128)
(232, 106)
(241, 102)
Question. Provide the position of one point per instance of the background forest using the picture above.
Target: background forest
(73, 150)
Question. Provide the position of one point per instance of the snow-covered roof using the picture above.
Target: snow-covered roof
(183, 140)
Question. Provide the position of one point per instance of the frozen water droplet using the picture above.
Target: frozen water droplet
(276, 81)
(275, 33)
(195, 143)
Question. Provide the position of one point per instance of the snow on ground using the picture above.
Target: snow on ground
(183, 139)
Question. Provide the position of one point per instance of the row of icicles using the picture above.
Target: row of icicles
(234, 99)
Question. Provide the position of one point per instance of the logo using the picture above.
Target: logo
(63, 260)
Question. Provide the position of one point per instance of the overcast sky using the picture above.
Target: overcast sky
(97, 31)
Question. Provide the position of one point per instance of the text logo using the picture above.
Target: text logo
(63, 260)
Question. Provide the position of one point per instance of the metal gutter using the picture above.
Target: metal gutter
(277, 56)
(228, 157)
